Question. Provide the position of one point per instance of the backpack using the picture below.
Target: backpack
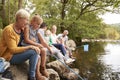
(5, 73)
(3, 65)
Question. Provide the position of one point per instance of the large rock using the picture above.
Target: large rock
(53, 75)
(20, 72)
(70, 75)
(57, 66)
(71, 44)
(66, 73)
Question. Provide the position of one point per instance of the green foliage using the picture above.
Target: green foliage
(1, 25)
(78, 16)
(112, 32)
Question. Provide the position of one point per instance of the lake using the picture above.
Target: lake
(101, 62)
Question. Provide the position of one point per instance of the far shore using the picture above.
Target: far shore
(99, 40)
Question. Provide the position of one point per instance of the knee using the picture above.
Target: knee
(43, 50)
(33, 53)
(60, 45)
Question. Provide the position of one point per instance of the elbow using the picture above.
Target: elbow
(26, 40)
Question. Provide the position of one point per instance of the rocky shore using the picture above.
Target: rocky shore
(56, 70)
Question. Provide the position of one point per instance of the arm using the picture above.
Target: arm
(44, 42)
(27, 40)
(11, 42)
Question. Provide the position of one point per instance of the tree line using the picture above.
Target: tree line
(80, 17)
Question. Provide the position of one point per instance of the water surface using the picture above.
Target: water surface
(101, 62)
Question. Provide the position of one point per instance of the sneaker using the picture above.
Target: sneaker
(69, 60)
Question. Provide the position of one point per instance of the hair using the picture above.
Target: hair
(43, 25)
(65, 31)
(53, 27)
(48, 32)
(37, 18)
(22, 13)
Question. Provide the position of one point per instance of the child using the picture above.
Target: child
(31, 37)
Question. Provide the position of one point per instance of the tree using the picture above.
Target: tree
(19, 4)
(80, 17)
(3, 12)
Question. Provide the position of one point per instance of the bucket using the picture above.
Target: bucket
(86, 47)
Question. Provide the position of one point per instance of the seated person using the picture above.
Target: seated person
(57, 52)
(55, 42)
(10, 39)
(31, 38)
(63, 38)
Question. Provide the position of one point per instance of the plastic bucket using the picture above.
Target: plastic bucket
(86, 47)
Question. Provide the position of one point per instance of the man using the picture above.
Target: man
(63, 38)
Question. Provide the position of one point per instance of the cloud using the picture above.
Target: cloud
(110, 18)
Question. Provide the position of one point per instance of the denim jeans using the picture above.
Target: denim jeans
(30, 55)
(61, 48)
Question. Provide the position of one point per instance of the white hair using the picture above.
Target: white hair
(22, 13)
(66, 31)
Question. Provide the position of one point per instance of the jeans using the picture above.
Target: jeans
(61, 48)
(30, 55)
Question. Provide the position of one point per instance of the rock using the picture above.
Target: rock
(71, 44)
(55, 70)
(70, 75)
(20, 72)
(63, 71)
(53, 75)
(57, 66)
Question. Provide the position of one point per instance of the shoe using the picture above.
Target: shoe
(44, 72)
(68, 61)
(40, 77)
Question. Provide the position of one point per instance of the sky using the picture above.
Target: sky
(111, 18)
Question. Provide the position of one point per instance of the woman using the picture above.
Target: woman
(55, 41)
(10, 39)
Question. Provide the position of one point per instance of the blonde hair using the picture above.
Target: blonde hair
(54, 27)
(48, 32)
(37, 18)
(22, 13)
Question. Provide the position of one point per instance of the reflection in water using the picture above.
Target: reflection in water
(112, 58)
(101, 62)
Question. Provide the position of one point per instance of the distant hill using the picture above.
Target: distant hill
(115, 25)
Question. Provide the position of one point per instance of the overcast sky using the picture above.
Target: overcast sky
(111, 18)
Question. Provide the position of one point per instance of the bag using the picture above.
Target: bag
(3, 65)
